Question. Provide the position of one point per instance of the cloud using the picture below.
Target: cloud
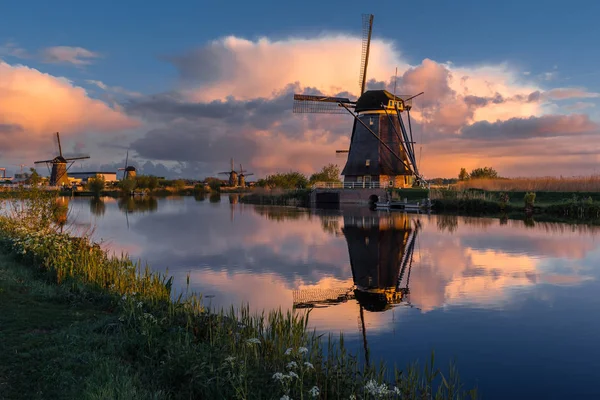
(532, 127)
(249, 69)
(236, 88)
(113, 89)
(11, 49)
(569, 93)
(77, 56)
(39, 104)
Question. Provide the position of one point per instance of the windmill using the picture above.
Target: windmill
(381, 258)
(233, 176)
(129, 171)
(3, 173)
(242, 177)
(58, 173)
(381, 148)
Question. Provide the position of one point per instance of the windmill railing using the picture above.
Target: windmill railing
(348, 185)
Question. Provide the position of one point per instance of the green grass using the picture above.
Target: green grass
(57, 345)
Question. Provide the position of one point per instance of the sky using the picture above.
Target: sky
(187, 86)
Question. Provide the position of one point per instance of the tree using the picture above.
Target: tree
(289, 180)
(179, 185)
(152, 183)
(329, 173)
(484, 173)
(96, 185)
(127, 185)
(34, 178)
(463, 175)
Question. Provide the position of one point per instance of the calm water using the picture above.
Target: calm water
(516, 305)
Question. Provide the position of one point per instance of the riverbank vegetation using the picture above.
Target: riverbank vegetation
(565, 205)
(78, 322)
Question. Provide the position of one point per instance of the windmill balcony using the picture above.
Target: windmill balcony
(347, 185)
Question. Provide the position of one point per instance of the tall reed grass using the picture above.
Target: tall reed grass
(543, 184)
(183, 350)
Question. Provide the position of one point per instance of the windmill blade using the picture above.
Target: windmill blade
(366, 45)
(127, 159)
(251, 173)
(43, 161)
(320, 104)
(77, 158)
(228, 172)
(59, 146)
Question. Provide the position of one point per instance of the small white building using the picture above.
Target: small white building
(84, 176)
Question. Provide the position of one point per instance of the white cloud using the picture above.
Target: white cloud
(77, 56)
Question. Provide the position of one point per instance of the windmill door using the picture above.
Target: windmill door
(367, 180)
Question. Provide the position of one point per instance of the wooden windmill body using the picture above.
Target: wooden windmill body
(381, 149)
(60, 166)
(242, 177)
(233, 176)
(129, 171)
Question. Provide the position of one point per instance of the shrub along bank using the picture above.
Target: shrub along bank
(565, 205)
(80, 323)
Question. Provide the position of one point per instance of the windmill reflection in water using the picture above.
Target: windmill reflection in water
(381, 251)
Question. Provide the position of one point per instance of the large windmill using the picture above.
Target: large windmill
(242, 176)
(58, 172)
(233, 175)
(381, 250)
(381, 148)
(129, 171)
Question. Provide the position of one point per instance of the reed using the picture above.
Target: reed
(180, 349)
(544, 184)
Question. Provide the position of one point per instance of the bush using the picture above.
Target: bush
(96, 185)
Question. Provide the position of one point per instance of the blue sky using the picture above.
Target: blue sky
(133, 35)
(541, 46)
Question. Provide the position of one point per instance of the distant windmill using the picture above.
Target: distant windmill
(233, 175)
(129, 170)
(242, 177)
(381, 148)
(3, 173)
(58, 174)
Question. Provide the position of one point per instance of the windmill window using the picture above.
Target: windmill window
(367, 162)
(359, 179)
(371, 121)
(391, 183)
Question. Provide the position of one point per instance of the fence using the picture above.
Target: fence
(348, 185)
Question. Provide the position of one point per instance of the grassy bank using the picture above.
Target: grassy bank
(77, 322)
(298, 197)
(574, 206)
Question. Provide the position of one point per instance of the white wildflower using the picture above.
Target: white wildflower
(288, 351)
(302, 350)
(352, 397)
(373, 388)
(309, 365)
(314, 392)
(140, 304)
(253, 341)
(397, 391)
(278, 376)
(230, 359)
(292, 374)
(292, 365)
(285, 397)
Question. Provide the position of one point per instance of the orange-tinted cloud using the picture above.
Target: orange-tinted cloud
(233, 87)
(34, 105)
